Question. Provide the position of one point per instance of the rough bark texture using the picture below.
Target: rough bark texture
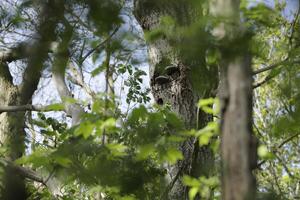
(170, 79)
(12, 136)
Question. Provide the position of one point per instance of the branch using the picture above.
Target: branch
(98, 46)
(269, 67)
(293, 25)
(23, 50)
(287, 140)
(51, 14)
(29, 174)
(25, 172)
(273, 66)
(61, 58)
(284, 166)
(269, 77)
(78, 79)
(27, 107)
(279, 146)
(262, 82)
(19, 52)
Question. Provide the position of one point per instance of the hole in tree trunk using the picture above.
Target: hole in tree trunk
(160, 101)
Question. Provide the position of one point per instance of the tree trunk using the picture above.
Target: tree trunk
(238, 148)
(12, 136)
(238, 181)
(171, 83)
(12, 133)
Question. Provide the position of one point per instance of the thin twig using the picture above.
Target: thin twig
(293, 27)
(28, 107)
(98, 46)
(269, 67)
(280, 146)
(262, 82)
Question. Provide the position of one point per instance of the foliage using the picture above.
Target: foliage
(123, 154)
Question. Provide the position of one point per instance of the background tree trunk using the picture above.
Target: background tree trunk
(238, 181)
(238, 148)
(175, 87)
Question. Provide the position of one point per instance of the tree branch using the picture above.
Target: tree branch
(52, 13)
(269, 77)
(273, 66)
(25, 172)
(279, 146)
(27, 107)
(287, 140)
(77, 79)
(97, 47)
(16, 53)
(60, 62)
(269, 67)
(262, 82)
(293, 26)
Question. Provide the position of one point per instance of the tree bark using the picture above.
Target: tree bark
(12, 134)
(171, 83)
(238, 146)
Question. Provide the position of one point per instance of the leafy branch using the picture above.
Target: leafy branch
(280, 146)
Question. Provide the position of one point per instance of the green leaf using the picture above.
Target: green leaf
(190, 181)
(56, 107)
(137, 113)
(63, 161)
(98, 70)
(206, 102)
(193, 192)
(207, 133)
(263, 152)
(145, 151)
(40, 157)
(210, 105)
(69, 100)
(204, 138)
(85, 129)
(117, 149)
(174, 121)
(109, 123)
(153, 35)
(173, 155)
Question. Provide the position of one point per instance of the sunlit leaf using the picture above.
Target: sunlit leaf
(193, 192)
(145, 151)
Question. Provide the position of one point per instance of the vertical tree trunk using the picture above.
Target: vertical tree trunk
(238, 181)
(170, 80)
(12, 136)
(238, 154)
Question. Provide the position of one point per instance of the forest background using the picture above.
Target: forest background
(216, 116)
